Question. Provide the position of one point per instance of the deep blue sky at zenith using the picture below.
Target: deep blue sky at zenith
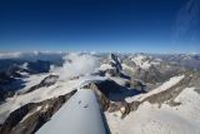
(162, 26)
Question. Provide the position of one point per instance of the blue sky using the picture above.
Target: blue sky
(154, 26)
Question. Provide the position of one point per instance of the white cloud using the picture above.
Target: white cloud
(76, 64)
(10, 55)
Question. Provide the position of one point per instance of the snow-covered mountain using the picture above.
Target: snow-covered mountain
(138, 93)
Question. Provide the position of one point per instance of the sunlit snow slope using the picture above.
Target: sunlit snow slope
(80, 115)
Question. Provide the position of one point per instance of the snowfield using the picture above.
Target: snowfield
(80, 115)
(62, 87)
(143, 62)
(149, 119)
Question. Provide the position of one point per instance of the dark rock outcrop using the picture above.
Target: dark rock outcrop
(168, 95)
(46, 82)
(112, 96)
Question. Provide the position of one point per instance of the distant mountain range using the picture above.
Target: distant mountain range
(139, 93)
